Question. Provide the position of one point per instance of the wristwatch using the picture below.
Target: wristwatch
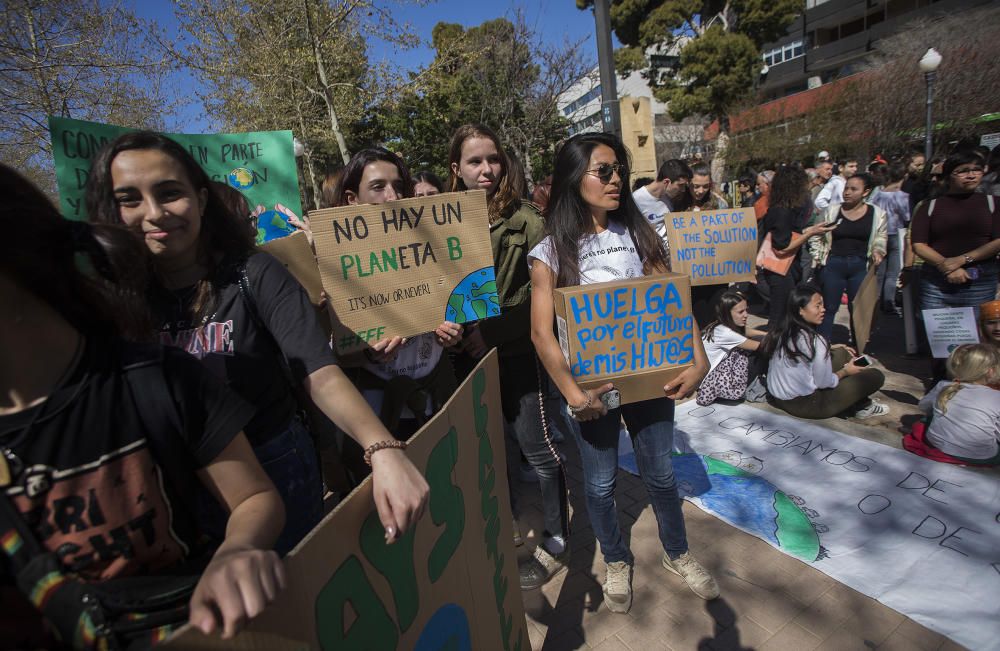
(969, 259)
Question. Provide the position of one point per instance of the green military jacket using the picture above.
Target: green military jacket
(511, 239)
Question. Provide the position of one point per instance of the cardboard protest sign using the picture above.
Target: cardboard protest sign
(404, 267)
(865, 309)
(714, 247)
(259, 164)
(950, 327)
(295, 253)
(450, 583)
(637, 333)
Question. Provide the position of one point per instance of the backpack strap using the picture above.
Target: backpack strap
(143, 366)
(930, 207)
(989, 202)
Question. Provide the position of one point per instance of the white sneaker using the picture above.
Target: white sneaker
(618, 587)
(694, 574)
(876, 408)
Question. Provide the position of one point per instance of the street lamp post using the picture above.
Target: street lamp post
(928, 65)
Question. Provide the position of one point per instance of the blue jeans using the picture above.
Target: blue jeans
(936, 292)
(842, 272)
(888, 273)
(651, 425)
(291, 461)
(524, 434)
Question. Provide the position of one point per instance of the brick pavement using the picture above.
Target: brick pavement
(770, 601)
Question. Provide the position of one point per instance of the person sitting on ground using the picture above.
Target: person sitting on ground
(806, 376)
(989, 323)
(703, 194)
(729, 346)
(965, 412)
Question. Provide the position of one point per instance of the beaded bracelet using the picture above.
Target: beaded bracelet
(576, 410)
(382, 445)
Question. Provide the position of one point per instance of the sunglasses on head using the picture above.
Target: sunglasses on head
(605, 171)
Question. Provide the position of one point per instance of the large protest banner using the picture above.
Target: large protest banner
(919, 536)
(714, 247)
(259, 164)
(404, 267)
(450, 583)
(636, 334)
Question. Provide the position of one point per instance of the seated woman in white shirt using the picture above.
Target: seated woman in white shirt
(729, 346)
(965, 412)
(809, 379)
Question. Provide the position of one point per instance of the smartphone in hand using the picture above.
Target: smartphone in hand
(863, 360)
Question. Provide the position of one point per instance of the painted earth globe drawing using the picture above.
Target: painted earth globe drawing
(474, 298)
(271, 225)
(241, 178)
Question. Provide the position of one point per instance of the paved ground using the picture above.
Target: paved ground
(770, 601)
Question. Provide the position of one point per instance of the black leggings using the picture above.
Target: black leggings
(827, 403)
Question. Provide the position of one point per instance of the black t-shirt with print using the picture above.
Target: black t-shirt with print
(108, 484)
(231, 345)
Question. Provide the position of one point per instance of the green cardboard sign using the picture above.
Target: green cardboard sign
(260, 164)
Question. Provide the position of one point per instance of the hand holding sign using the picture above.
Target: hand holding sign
(684, 384)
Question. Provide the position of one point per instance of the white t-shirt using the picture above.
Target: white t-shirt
(724, 339)
(605, 256)
(654, 210)
(970, 426)
(787, 379)
(416, 359)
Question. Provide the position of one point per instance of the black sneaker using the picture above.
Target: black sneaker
(542, 566)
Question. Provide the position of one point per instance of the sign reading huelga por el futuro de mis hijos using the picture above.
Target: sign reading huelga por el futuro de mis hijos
(637, 334)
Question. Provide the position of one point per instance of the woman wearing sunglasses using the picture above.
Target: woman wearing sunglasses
(478, 162)
(596, 234)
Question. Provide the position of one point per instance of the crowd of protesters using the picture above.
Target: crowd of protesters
(153, 362)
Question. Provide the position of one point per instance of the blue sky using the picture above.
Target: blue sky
(555, 20)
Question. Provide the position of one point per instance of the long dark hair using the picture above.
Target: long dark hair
(511, 186)
(785, 336)
(350, 180)
(789, 188)
(724, 314)
(224, 237)
(568, 217)
(102, 297)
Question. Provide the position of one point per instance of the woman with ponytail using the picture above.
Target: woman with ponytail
(124, 432)
(965, 412)
(478, 161)
(248, 320)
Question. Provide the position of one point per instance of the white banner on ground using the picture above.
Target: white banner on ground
(919, 536)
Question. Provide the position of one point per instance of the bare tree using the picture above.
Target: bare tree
(82, 59)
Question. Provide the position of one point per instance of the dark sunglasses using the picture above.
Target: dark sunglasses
(605, 171)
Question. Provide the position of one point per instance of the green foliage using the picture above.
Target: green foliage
(497, 73)
(719, 45)
(716, 67)
(82, 59)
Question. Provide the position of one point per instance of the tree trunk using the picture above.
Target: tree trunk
(327, 89)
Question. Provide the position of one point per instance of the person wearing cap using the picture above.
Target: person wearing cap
(989, 323)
